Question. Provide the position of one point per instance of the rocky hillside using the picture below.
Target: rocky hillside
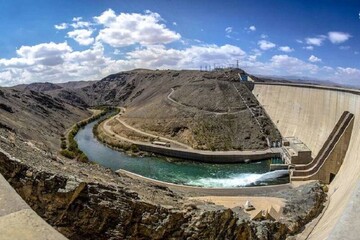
(36, 116)
(206, 110)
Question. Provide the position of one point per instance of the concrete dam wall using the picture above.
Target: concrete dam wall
(310, 113)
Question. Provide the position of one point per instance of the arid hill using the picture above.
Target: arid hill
(206, 110)
(36, 116)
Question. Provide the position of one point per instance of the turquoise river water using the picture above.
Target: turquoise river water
(180, 172)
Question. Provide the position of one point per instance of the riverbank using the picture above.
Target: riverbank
(69, 146)
(107, 135)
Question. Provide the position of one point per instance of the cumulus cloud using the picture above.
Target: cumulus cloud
(309, 47)
(228, 29)
(54, 62)
(314, 59)
(351, 75)
(192, 57)
(48, 54)
(78, 23)
(338, 37)
(82, 36)
(252, 28)
(265, 45)
(291, 65)
(344, 47)
(127, 29)
(348, 71)
(282, 65)
(45, 54)
(59, 62)
(317, 41)
(333, 37)
(61, 26)
(286, 49)
(255, 53)
(77, 19)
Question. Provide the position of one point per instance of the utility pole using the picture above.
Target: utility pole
(237, 63)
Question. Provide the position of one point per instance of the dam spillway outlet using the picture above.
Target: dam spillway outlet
(180, 172)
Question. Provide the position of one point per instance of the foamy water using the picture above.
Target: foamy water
(238, 180)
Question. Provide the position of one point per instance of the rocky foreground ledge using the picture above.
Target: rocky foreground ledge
(87, 201)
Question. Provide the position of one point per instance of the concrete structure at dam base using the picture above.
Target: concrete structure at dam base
(311, 116)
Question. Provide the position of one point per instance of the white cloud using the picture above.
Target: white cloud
(327, 68)
(45, 53)
(291, 65)
(281, 65)
(255, 53)
(344, 47)
(77, 19)
(252, 28)
(286, 49)
(338, 37)
(32, 59)
(174, 23)
(54, 62)
(265, 45)
(78, 23)
(348, 71)
(61, 26)
(192, 57)
(106, 18)
(264, 36)
(314, 59)
(37, 63)
(82, 36)
(348, 74)
(228, 29)
(299, 41)
(317, 41)
(127, 29)
(309, 47)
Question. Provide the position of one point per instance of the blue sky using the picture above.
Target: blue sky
(58, 41)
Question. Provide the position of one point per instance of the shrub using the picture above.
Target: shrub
(72, 151)
(134, 148)
(68, 154)
(83, 158)
(63, 144)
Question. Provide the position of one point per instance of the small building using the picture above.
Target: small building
(243, 77)
(295, 151)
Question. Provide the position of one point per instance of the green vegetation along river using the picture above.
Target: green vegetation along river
(180, 172)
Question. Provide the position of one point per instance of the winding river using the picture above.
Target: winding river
(179, 172)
